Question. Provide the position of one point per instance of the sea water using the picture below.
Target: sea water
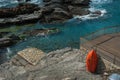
(73, 29)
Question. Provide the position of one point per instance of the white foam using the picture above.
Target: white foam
(91, 15)
(8, 53)
(101, 1)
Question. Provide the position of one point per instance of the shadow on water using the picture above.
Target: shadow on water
(3, 56)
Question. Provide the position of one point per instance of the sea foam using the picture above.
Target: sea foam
(91, 15)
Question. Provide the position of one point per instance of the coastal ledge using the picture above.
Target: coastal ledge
(60, 64)
(64, 64)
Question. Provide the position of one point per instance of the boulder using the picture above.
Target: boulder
(4, 42)
(8, 40)
(58, 15)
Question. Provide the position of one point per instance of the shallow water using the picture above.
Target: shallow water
(72, 30)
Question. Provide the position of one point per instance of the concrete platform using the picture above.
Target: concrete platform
(31, 55)
(107, 46)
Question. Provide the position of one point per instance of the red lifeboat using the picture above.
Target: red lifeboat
(91, 61)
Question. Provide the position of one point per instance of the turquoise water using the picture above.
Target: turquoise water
(72, 30)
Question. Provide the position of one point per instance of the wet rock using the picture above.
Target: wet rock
(53, 11)
(5, 42)
(64, 10)
(81, 2)
(97, 12)
(20, 9)
(41, 32)
(21, 19)
(2, 34)
(58, 15)
(14, 37)
(53, 1)
(78, 10)
(9, 40)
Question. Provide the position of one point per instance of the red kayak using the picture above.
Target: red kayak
(91, 61)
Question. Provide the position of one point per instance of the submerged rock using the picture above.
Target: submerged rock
(8, 40)
(41, 32)
(2, 34)
(5, 42)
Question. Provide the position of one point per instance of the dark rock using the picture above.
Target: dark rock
(81, 2)
(53, 11)
(4, 42)
(53, 1)
(46, 0)
(78, 10)
(20, 9)
(9, 40)
(21, 19)
(58, 15)
(2, 34)
(97, 12)
(14, 37)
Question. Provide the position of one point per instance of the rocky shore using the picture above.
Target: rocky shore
(51, 12)
(8, 39)
(64, 64)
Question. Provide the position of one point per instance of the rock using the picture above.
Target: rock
(81, 2)
(53, 1)
(77, 2)
(46, 0)
(5, 42)
(13, 37)
(21, 19)
(53, 11)
(2, 34)
(41, 32)
(20, 9)
(78, 10)
(97, 12)
(9, 40)
(58, 15)
(62, 10)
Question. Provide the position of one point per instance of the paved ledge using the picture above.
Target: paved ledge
(64, 64)
(107, 46)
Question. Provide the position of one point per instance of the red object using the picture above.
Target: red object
(91, 61)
